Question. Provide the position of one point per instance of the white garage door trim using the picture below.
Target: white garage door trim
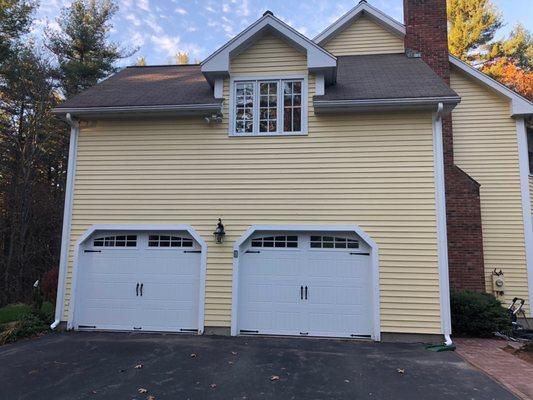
(139, 228)
(374, 254)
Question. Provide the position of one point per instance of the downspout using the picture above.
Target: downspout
(442, 235)
(67, 216)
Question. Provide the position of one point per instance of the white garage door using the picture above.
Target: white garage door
(305, 284)
(139, 281)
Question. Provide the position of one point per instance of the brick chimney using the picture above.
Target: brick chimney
(427, 36)
(426, 27)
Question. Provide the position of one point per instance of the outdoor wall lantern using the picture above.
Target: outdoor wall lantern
(219, 232)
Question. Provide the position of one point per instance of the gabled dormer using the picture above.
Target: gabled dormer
(319, 61)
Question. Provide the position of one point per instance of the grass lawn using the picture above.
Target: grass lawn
(13, 312)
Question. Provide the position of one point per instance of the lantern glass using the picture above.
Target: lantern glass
(219, 232)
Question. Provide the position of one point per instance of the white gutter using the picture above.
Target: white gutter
(442, 234)
(183, 109)
(67, 217)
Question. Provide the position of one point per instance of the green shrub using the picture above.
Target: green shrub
(477, 314)
(47, 312)
(28, 325)
(13, 312)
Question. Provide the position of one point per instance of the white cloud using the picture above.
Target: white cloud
(181, 11)
(133, 19)
(166, 44)
(152, 23)
(144, 5)
(138, 39)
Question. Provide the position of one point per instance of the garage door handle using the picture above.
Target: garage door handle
(142, 284)
(306, 292)
(137, 289)
(301, 292)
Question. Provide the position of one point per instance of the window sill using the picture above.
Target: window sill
(268, 134)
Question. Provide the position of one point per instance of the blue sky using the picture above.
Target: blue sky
(160, 28)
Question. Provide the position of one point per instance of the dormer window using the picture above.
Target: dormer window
(268, 107)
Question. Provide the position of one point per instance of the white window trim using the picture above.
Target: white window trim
(256, 133)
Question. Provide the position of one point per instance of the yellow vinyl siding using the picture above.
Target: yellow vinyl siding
(372, 170)
(363, 36)
(485, 146)
(270, 55)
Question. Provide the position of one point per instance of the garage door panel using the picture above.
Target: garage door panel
(337, 301)
(142, 288)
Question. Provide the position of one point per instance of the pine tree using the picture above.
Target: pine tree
(82, 47)
(472, 23)
(517, 48)
(15, 20)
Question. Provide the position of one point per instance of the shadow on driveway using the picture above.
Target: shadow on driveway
(102, 366)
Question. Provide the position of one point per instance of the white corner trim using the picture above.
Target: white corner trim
(320, 85)
(520, 105)
(376, 323)
(442, 235)
(523, 160)
(142, 228)
(317, 57)
(67, 219)
(219, 88)
(362, 8)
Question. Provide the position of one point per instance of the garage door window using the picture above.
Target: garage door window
(331, 242)
(168, 241)
(276, 241)
(116, 241)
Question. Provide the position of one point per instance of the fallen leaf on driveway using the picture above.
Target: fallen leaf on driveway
(142, 390)
(400, 371)
(274, 378)
(213, 385)
(138, 366)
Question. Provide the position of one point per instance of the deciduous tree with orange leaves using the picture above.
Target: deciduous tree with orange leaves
(472, 27)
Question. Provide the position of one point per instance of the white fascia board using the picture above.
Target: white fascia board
(361, 9)
(317, 58)
(520, 105)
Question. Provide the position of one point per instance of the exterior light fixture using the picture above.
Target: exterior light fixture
(219, 232)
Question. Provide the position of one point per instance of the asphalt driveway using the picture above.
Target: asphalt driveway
(102, 366)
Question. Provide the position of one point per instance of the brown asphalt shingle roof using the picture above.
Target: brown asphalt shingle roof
(363, 77)
(147, 86)
(385, 76)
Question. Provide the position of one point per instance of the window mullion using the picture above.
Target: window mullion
(280, 107)
(256, 106)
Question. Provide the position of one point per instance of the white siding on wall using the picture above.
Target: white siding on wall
(364, 36)
(485, 146)
(372, 170)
